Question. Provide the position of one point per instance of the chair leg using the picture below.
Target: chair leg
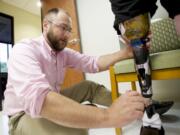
(118, 131)
(114, 86)
(133, 86)
(114, 93)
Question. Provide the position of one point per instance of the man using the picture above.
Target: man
(33, 99)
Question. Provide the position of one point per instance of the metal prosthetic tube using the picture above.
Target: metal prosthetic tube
(136, 31)
(142, 65)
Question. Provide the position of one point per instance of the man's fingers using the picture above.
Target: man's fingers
(133, 93)
(138, 114)
(139, 106)
(138, 99)
(124, 40)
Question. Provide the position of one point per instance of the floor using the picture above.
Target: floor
(171, 124)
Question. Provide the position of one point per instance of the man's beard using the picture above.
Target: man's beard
(56, 44)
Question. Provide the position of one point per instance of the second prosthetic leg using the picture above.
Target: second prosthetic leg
(136, 30)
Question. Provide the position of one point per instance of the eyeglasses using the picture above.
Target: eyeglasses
(63, 27)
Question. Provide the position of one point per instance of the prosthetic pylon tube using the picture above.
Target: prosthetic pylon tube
(136, 31)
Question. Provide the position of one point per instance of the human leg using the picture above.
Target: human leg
(173, 8)
(89, 91)
(23, 124)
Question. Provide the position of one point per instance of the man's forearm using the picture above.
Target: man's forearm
(105, 61)
(67, 112)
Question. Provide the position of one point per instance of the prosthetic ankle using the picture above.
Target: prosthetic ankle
(136, 30)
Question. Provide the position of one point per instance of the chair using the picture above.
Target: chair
(164, 55)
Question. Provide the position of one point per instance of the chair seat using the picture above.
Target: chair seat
(161, 60)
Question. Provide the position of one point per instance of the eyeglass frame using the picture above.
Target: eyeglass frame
(64, 28)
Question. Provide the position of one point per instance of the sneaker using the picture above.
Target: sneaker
(88, 103)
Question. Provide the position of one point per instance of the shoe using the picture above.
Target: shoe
(88, 103)
(162, 107)
(151, 131)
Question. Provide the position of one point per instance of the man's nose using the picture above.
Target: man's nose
(67, 34)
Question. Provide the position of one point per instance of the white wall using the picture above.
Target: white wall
(26, 25)
(98, 37)
(161, 12)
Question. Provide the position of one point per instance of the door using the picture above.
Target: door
(72, 76)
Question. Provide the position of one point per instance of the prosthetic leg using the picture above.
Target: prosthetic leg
(136, 30)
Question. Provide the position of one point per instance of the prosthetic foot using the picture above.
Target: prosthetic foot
(162, 107)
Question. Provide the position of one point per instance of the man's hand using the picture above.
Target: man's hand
(177, 23)
(105, 61)
(128, 49)
(127, 108)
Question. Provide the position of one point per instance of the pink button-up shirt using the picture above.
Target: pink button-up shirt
(34, 69)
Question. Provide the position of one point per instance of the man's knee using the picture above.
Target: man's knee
(88, 82)
(90, 85)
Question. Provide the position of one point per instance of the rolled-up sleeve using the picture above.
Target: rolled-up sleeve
(80, 61)
(27, 80)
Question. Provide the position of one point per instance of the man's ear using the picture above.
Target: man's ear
(45, 25)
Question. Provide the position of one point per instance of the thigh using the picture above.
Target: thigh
(89, 91)
(39, 126)
(172, 7)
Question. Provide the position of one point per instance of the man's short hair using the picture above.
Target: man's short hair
(52, 13)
